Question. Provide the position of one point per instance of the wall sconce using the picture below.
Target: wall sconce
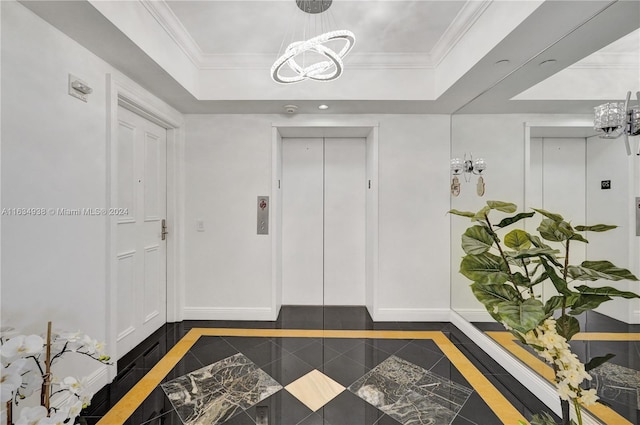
(618, 119)
(78, 88)
(468, 167)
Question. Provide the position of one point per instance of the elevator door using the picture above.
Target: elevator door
(323, 221)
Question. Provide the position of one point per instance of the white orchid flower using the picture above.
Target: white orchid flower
(70, 384)
(10, 381)
(588, 397)
(32, 381)
(85, 398)
(74, 410)
(92, 346)
(31, 415)
(72, 339)
(22, 346)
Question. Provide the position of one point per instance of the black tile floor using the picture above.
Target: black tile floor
(617, 381)
(345, 360)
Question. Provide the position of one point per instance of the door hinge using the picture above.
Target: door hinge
(164, 233)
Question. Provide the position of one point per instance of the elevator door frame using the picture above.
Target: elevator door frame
(368, 131)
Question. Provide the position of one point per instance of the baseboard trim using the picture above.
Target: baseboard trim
(531, 380)
(230, 313)
(475, 315)
(411, 315)
(539, 386)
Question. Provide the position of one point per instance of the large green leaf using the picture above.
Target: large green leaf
(481, 215)
(552, 216)
(567, 326)
(462, 213)
(493, 294)
(594, 270)
(543, 276)
(578, 237)
(558, 282)
(587, 302)
(537, 242)
(555, 231)
(606, 290)
(541, 419)
(520, 279)
(484, 268)
(507, 207)
(510, 220)
(596, 228)
(522, 316)
(553, 304)
(597, 361)
(476, 240)
(518, 262)
(533, 252)
(517, 239)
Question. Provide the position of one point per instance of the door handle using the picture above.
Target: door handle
(164, 233)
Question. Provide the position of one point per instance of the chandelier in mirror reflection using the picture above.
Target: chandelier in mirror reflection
(617, 119)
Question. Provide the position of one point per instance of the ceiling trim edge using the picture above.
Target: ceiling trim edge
(466, 17)
(169, 22)
(464, 20)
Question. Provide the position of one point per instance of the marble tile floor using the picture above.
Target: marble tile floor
(213, 394)
(405, 392)
(273, 361)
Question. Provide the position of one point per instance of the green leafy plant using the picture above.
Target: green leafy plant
(506, 268)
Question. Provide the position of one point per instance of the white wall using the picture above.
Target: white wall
(54, 155)
(228, 164)
(607, 160)
(499, 139)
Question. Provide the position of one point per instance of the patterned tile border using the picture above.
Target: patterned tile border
(122, 410)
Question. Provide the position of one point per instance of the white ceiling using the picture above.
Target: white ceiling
(411, 56)
(249, 27)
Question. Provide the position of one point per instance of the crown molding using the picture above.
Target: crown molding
(464, 20)
(172, 25)
(164, 15)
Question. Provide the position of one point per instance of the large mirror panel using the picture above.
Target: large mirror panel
(536, 136)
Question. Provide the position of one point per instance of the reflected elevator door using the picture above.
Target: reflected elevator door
(323, 221)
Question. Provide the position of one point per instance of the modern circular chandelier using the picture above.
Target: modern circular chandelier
(327, 65)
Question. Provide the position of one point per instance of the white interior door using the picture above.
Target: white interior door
(558, 166)
(141, 251)
(323, 221)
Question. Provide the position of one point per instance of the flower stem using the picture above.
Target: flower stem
(9, 411)
(564, 276)
(46, 383)
(504, 257)
(576, 406)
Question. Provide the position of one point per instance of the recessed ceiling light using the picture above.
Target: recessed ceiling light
(290, 109)
(323, 107)
(503, 62)
(547, 62)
